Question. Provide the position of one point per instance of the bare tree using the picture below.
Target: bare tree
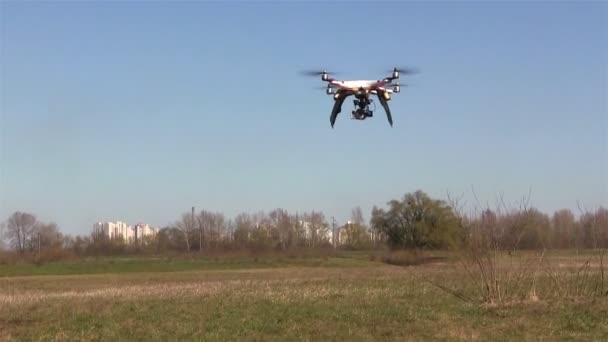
(218, 228)
(49, 236)
(357, 216)
(2, 235)
(564, 229)
(262, 230)
(230, 229)
(186, 226)
(318, 227)
(260, 218)
(244, 225)
(282, 228)
(19, 229)
(205, 223)
(211, 227)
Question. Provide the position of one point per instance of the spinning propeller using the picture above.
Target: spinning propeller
(394, 85)
(316, 72)
(404, 71)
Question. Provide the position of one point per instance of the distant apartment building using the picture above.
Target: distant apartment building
(143, 231)
(114, 230)
(322, 233)
(123, 230)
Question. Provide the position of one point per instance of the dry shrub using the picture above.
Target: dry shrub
(501, 277)
(55, 254)
(581, 277)
(256, 255)
(501, 273)
(410, 257)
(8, 258)
(45, 256)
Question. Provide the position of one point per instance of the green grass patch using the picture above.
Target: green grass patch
(143, 264)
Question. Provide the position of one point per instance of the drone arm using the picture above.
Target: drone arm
(384, 81)
(333, 81)
(384, 103)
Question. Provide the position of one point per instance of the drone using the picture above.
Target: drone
(361, 90)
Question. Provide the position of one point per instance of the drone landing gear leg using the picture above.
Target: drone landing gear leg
(386, 108)
(337, 108)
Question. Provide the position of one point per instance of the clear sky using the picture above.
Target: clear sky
(137, 111)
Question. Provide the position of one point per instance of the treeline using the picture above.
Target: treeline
(415, 221)
(194, 232)
(418, 221)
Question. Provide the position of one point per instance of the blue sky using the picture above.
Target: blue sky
(137, 111)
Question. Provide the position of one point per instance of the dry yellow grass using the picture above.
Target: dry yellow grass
(276, 284)
(373, 301)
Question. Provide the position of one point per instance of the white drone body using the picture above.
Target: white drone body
(367, 85)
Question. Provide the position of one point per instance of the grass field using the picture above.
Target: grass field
(348, 297)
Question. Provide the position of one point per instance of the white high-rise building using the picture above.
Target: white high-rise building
(114, 230)
(119, 229)
(144, 230)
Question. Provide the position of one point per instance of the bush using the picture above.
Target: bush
(409, 258)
